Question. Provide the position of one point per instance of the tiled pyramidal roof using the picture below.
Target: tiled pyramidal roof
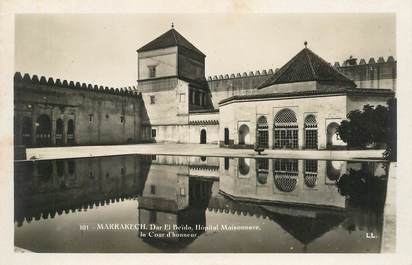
(306, 66)
(171, 38)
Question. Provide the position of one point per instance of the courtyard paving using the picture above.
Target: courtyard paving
(194, 150)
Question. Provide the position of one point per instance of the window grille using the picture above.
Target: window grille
(285, 130)
(311, 173)
(262, 170)
(285, 172)
(311, 132)
(262, 132)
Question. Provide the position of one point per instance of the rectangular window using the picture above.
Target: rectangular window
(182, 98)
(122, 119)
(152, 189)
(90, 118)
(152, 71)
(153, 133)
(152, 99)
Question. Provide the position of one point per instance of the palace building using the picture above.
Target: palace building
(300, 105)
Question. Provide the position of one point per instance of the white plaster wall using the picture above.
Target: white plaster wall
(248, 111)
(247, 186)
(165, 61)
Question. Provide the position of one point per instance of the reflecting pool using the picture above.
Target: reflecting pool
(147, 203)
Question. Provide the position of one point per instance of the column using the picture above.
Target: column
(53, 124)
(34, 127)
(300, 175)
(301, 134)
(270, 134)
(65, 129)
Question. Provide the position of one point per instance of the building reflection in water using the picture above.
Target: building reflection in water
(43, 189)
(173, 203)
(300, 196)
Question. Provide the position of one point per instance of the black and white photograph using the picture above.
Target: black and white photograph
(259, 133)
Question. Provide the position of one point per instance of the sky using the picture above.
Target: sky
(101, 48)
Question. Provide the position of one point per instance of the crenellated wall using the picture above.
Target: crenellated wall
(52, 112)
(224, 86)
(374, 74)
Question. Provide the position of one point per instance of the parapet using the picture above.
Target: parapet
(362, 61)
(26, 79)
(243, 75)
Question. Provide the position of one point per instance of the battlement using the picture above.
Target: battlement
(354, 61)
(245, 74)
(26, 79)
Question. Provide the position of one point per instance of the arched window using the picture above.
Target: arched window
(70, 132)
(43, 130)
(26, 131)
(244, 134)
(244, 166)
(59, 131)
(262, 135)
(311, 132)
(60, 168)
(285, 130)
(285, 173)
(70, 167)
(262, 170)
(203, 136)
(45, 170)
(311, 173)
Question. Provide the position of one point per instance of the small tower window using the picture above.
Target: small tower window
(152, 189)
(152, 99)
(152, 71)
(90, 118)
(122, 120)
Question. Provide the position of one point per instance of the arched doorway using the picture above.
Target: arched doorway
(43, 130)
(333, 170)
(26, 131)
(70, 132)
(226, 136)
(311, 132)
(262, 135)
(59, 131)
(285, 130)
(332, 134)
(203, 136)
(244, 134)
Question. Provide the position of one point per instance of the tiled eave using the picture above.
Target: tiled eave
(311, 94)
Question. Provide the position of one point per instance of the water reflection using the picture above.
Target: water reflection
(297, 200)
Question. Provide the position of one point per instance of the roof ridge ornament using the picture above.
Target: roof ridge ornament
(305, 43)
(173, 25)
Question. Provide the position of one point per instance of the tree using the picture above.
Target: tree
(376, 126)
